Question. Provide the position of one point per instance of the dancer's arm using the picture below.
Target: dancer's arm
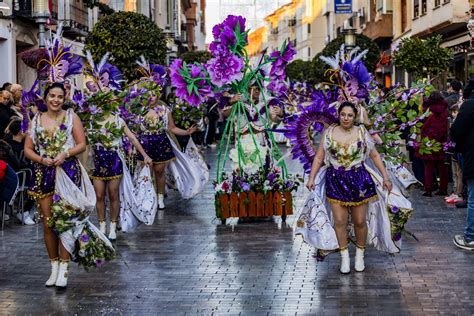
(317, 163)
(137, 145)
(178, 131)
(387, 184)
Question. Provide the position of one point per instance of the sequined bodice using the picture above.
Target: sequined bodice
(155, 124)
(347, 156)
(50, 143)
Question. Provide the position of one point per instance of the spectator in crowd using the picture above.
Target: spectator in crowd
(6, 113)
(462, 133)
(454, 100)
(453, 94)
(16, 91)
(435, 127)
(6, 86)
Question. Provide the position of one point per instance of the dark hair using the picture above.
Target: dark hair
(345, 105)
(6, 85)
(456, 85)
(436, 96)
(15, 127)
(52, 86)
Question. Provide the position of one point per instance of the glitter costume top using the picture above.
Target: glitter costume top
(347, 156)
(50, 143)
(157, 124)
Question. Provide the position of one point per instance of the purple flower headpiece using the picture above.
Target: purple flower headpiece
(190, 82)
(104, 76)
(349, 73)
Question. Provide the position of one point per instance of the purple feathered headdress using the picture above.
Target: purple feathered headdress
(153, 71)
(60, 62)
(105, 76)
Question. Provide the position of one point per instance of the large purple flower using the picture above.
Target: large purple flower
(190, 82)
(280, 58)
(229, 36)
(226, 69)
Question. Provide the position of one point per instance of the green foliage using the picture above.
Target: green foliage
(300, 71)
(127, 36)
(400, 112)
(197, 56)
(421, 57)
(364, 42)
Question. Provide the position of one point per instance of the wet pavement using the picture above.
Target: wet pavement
(188, 263)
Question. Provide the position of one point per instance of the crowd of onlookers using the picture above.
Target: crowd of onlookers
(12, 142)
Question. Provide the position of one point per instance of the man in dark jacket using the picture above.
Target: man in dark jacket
(462, 133)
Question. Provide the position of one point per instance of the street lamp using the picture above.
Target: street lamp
(349, 37)
(41, 15)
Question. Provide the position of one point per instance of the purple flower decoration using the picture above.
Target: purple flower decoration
(245, 186)
(190, 82)
(229, 36)
(56, 198)
(225, 69)
(313, 116)
(85, 238)
(99, 262)
(395, 209)
(62, 127)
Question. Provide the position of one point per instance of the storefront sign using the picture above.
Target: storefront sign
(342, 6)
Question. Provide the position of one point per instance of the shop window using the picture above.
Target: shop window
(416, 8)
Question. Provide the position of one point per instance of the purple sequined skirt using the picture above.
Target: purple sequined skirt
(43, 179)
(107, 164)
(158, 147)
(350, 187)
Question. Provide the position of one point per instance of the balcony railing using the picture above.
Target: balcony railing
(74, 16)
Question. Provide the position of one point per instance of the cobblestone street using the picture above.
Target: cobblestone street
(188, 263)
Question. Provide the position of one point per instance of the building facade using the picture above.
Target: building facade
(312, 24)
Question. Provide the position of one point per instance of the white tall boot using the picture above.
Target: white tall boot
(161, 203)
(112, 231)
(54, 272)
(359, 259)
(102, 227)
(345, 261)
(61, 282)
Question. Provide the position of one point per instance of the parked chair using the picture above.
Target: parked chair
(8, 191)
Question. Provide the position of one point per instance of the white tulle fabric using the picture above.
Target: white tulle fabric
(315, 222)
(188, 173)
(83, 198)
(138, 200)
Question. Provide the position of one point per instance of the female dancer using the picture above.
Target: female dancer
(349, 186)
(56, 137)
(156, 142)
(108, 165)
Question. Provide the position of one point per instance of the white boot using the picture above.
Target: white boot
(161, 203)
(102, 227)
(54, 273)
(112, 231)
(61, 282)
(345, 261)
(359, 259)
